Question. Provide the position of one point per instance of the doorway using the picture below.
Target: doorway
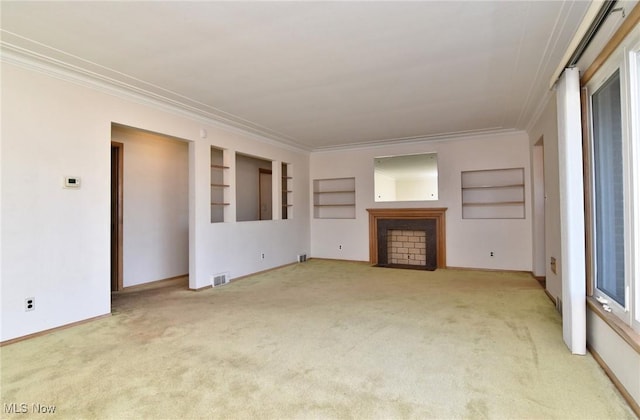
(117, 153)
(150, 232)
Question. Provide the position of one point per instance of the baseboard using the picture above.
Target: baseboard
(200, 289)
(499, 270)
(338, 260)
(51, 330)
(541, 279)
(156, 284)
(623, 391)
(553, 300)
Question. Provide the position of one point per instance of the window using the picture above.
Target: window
(614, 185)
(608, 197)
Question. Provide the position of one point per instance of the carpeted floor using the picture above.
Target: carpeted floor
(322, 339)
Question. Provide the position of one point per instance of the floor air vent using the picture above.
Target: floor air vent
(219, 279)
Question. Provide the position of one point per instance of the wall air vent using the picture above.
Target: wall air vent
(559, 305)
(219, 279)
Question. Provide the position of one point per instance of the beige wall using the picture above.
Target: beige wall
(469, 241)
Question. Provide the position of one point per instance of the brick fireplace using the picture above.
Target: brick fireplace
(407, 238)
(406, 247)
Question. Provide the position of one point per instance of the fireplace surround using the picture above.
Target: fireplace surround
(429, 220)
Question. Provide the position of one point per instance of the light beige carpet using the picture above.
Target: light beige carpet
(321, 339)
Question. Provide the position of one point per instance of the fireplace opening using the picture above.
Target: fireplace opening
(407, 243)
(407, 238)
(406, 247)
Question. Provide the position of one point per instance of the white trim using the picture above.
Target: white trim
(626, 58)
(634, 157)
(458, 135)
(572, 229)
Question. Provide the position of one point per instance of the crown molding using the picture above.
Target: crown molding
(21, 57)
(435, 138)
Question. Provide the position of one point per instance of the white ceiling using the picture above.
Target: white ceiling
(318, 74)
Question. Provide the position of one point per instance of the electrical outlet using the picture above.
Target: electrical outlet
(30, 304)
(491, 254)
(339, 246)
(262, 256)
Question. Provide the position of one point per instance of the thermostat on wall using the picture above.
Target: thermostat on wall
(71, 182)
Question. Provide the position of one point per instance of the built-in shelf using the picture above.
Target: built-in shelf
(287, 191)
(218, 185)
(334, 198)
(493, 194)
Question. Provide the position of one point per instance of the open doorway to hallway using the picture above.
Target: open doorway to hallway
(149, 209)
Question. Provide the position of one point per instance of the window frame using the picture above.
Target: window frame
(625, 59)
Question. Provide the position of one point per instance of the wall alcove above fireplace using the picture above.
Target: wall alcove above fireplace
(413, 221)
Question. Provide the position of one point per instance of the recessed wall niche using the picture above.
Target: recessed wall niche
(254, 188)
(493, 194)
(287, 191)
(219, 185)
(334, 198)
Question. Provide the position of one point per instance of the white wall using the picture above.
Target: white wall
(469, 241)
(547, 127)
(155, 206)
(55, 241)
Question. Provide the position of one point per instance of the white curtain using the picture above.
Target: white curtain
(571, 212)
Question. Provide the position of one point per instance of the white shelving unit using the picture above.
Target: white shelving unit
(334, 198)
(287, 191)
(218, 185)
(493, 194)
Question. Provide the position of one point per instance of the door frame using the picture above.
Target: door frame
(116, 256)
